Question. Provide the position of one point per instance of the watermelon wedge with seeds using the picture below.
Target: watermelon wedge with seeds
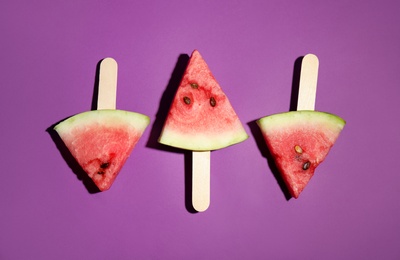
(102, 140)
(201, 118)
(299, 141)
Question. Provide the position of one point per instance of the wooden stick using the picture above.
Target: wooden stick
(201, 180)
(107, 97)
(308, 83)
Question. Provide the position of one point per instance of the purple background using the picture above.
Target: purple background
(49, 53)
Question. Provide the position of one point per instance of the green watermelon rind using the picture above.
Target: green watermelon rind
(107, 116)
(286, 119)
(203, 141)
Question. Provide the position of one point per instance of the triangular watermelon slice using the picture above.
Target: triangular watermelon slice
(102, 140)
(299, 141)
(201, 117)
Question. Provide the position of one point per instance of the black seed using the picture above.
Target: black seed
(194, 85)
(306, 165)
(104, 165)
(100, 172)
(213, 102)
(186, 100)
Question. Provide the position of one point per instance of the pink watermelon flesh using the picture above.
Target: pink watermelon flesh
(101, 141)
(201, 117)
(299, 141)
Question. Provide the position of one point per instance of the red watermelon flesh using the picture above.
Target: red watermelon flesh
(299, 141)
(201, 118)
(101, 141)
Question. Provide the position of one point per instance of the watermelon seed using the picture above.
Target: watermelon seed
(104, 165)
(306, 165)
(100, 172)
(213, 102)
(194, 85)
(298, 149)
(186, 100)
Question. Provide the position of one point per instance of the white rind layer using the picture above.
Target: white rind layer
(202, 142)
(105, 117)
(277, 122)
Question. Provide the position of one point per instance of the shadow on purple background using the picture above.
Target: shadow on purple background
(259, 139)
(70, 160)
(295, 83)
(161, 115)
(66, 154)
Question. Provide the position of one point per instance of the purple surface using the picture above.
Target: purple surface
(49, 53)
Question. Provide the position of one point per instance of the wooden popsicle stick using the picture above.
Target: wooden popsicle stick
(201, 180)
(308, 83)
(107, 96)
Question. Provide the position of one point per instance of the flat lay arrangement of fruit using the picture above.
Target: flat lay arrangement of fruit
(201, 119)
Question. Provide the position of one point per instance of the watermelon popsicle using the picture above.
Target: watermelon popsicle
(101, 140)
(300, 140)
(201, 119)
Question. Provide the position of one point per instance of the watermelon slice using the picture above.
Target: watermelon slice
(102, 140)
(201, 117)
(299, 141)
